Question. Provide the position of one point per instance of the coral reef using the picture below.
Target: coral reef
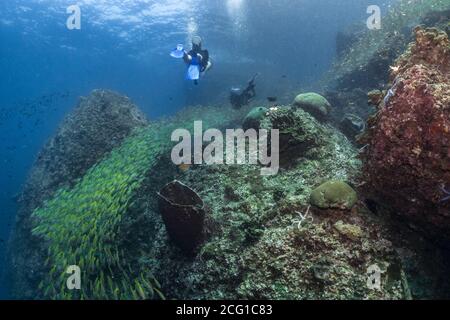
(300, 133)
(351, 231)
(265, 242)
(407, 161)
(260, 250)
(346, 38)
(365, 64)
(262, 237)
(88, 224)
(314, 104)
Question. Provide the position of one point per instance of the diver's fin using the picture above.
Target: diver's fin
(178, 52)
(193, 72)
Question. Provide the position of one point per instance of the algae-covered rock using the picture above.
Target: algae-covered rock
(253, 119)
(334, 194)
(314, 104)
(352, 125)
(300, 133)
(351, 231)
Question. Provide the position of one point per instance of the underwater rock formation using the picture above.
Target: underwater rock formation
(407, 161)
(334, 194)
(101, 223)
(352, 125)
(346, 38)
(314, 104)
(98, 124)
(183, 214)
(350, 231)
(375, 97)
(269, 243)
(365, 64)
(351, 102)
(437, 18)
(300, 133)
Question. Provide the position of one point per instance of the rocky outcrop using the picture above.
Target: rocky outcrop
(407, 160)
(352, 125)
(98, 124)
(346, 38)
(300, 133)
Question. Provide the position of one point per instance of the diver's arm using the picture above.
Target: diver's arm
(252, 92)
(187, 57)
(251, 82)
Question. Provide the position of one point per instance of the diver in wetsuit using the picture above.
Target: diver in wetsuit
(240, 98)
(198, 57)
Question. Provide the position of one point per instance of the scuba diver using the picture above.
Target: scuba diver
(240, 98)
(197, 59)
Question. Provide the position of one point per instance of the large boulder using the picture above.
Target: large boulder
(407, 160)
(98, 124)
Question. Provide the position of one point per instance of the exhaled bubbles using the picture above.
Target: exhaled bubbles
(237, 13)
(192, 28)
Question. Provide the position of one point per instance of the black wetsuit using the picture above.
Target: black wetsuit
(205, 55)
(244, 98)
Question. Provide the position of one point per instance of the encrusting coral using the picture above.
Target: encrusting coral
(408, 157)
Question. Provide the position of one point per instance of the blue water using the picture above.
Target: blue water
(125, 45)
